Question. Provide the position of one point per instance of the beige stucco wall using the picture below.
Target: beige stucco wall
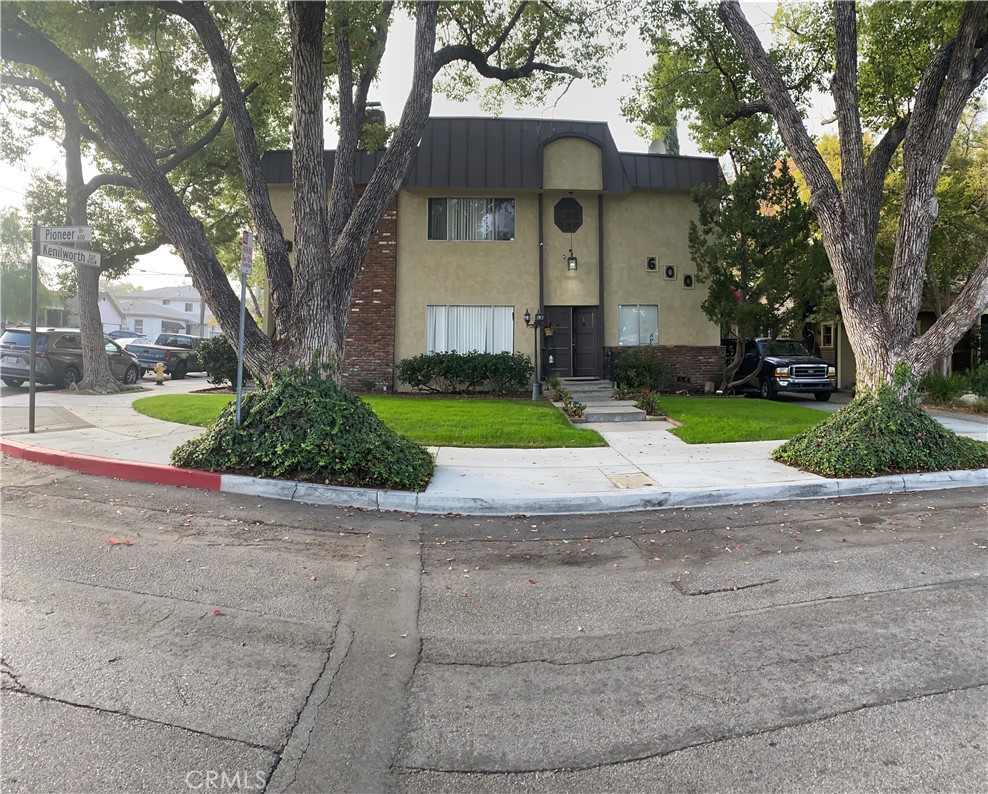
(571, 164)
(562, 287)
(464, 273)
(653, 223)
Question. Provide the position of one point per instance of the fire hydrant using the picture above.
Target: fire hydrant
(159, 374)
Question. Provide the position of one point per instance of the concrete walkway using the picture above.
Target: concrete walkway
(644, 466)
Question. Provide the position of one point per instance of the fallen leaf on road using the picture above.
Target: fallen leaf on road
(216, 612)
(532, 581)
(118, 541)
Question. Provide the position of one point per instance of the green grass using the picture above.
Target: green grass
(439, 422)
(717, 420)
(200, 410)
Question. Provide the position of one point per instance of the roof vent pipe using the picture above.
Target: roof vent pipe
(657, 147)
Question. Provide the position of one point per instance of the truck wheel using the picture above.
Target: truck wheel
(179, 372)
(767, 389)
(15, 383)
(822, 396)
(70, 376)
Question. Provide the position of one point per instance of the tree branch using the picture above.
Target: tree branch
(463, 52)
(845, 93)
(503, 35)
(270, 236)
(966, 310)
(39, 85)
(111, 262)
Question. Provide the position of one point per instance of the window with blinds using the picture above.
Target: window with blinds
(465, 329)
(638, 325)
(471, 219)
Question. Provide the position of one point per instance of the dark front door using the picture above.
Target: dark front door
(558, 354)
(571, 350)
(585, 342)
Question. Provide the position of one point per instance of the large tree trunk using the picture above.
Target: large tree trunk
(96, 375)
(882, 335)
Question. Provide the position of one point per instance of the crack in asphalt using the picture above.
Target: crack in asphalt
(24, 692)
(681, 588)
(949, 584)
(554, 662)
(347, 640)
(393, 764)
(726, 737)
(803, 660)
(174, 600)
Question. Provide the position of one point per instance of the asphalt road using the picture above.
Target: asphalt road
(244, 644)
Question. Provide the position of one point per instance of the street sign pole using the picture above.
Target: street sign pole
(34, 330)
(246, 263)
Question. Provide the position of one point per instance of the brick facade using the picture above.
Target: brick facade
(689, 368)
(370, 342)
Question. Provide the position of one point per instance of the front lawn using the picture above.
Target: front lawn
(716, 420)
(438, 422)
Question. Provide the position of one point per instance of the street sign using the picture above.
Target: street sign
(64, 234)
(90, 258)
(247, 254)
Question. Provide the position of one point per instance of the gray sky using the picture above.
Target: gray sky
(581, 101)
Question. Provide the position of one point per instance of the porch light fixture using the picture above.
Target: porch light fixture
(536, 325)
(571, 263)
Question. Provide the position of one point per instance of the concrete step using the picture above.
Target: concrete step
(613, 414)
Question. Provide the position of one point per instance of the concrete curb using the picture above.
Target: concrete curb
(109, 467)
(438, 504)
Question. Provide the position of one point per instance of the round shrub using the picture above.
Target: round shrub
(219, 359)
(879, 433)
(303, 427)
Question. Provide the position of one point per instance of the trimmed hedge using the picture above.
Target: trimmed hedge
(304, 427)
(881, 433)
(460, 373)
(639, 367)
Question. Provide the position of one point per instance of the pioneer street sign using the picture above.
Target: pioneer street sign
(65, 234)
(90, 258)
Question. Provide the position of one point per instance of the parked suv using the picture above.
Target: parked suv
(59, 360)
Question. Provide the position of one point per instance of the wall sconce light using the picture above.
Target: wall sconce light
(571, 263)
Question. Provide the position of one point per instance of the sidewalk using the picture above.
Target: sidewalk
(645, 467)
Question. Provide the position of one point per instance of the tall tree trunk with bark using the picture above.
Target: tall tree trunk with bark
(96, 374)
(882, 333)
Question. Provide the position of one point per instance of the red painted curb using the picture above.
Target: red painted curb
(120, 469)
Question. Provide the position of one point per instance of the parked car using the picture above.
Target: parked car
(123, 341)
(784, 365)
(125, 333)
(176, 351)
(59, 358)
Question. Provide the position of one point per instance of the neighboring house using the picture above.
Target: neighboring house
(834, 346)
(110, 312)
(500, 216)
(151, 319)
(185, 299)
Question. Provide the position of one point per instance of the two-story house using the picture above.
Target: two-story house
(502, 216)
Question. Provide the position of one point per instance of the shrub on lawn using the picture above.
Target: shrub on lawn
(977, 380)
(941, 389)
(303, 427)
(219, 359)
(638, 367)
(881, 433)
(458, 373)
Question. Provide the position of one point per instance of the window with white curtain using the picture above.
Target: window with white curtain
(486, 329)
(471, 219)
(638, 325)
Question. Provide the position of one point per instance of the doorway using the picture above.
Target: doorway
(573, 350)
